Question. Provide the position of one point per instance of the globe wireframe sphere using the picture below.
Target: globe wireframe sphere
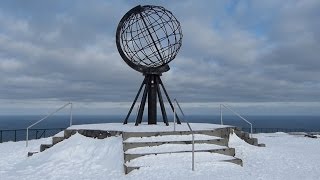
(148, 37)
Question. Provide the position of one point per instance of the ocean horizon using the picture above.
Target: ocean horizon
(308, 122)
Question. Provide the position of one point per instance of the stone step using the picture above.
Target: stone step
(32, 153)
(56, 140)
(67, 133)
(246, 137)
(220, 132)
(182, 159)
(225, 151)
(45, 146)
(100, 134)
(262, 145)
(235, 161)
(166, 138)
(242, 134)
(252, 141)
(130, 145)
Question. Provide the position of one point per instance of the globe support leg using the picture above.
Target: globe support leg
(163, 109)
(143, 101)
(152, 90)
(168, 98)
(152, 100)
(134, 101)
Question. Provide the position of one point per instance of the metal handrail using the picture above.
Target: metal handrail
(228, 107)
(177, 103)
(69, 103)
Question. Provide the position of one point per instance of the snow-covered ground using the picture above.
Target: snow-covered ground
(144, 127)
(171, 138)
(285, 157)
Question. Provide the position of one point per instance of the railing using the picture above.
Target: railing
(62, 107)
(227, 107)
(19, 134)
(286, 130)
(176, 104)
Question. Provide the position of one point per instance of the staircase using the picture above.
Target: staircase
(246, 137)
(150, 149)
(55, 139)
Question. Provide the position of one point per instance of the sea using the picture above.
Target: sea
(13, 127)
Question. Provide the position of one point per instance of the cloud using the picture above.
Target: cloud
(234, 51)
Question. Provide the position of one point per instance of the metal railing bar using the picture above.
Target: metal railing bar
(174, 116)
(226, 106)
(69, 103)
(221, 122)
(48, 115)
(70, 124)
(184, 119)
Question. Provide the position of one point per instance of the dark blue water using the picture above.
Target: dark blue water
(306, 123)
(61, 121)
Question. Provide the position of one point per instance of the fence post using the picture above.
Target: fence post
(174, 115)
(27, 137)
(0, 136)
(70, 114)
(221, 114)
(15, 135)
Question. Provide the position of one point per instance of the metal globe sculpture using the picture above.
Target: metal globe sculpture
(148, 38)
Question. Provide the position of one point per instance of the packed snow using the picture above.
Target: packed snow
(285, 157)
(167, 138)
(181, 159)
(144, 127)
(78, 157)
(172, 148)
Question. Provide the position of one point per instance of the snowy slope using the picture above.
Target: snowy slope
(285, 157)
(165, 138)
(78, 157)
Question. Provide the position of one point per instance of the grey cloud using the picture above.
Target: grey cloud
(237, 52)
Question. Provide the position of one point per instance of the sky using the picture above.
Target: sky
(260, 57)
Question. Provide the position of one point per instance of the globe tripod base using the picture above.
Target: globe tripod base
(151, 84)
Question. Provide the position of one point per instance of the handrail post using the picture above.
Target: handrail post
(190, 129)
(70, 114)
(192, 152)
(174, 115)
(251, 130)
(221, 114)
(27, 138)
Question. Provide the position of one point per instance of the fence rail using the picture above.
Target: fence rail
(273, 130)
(19, 134)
